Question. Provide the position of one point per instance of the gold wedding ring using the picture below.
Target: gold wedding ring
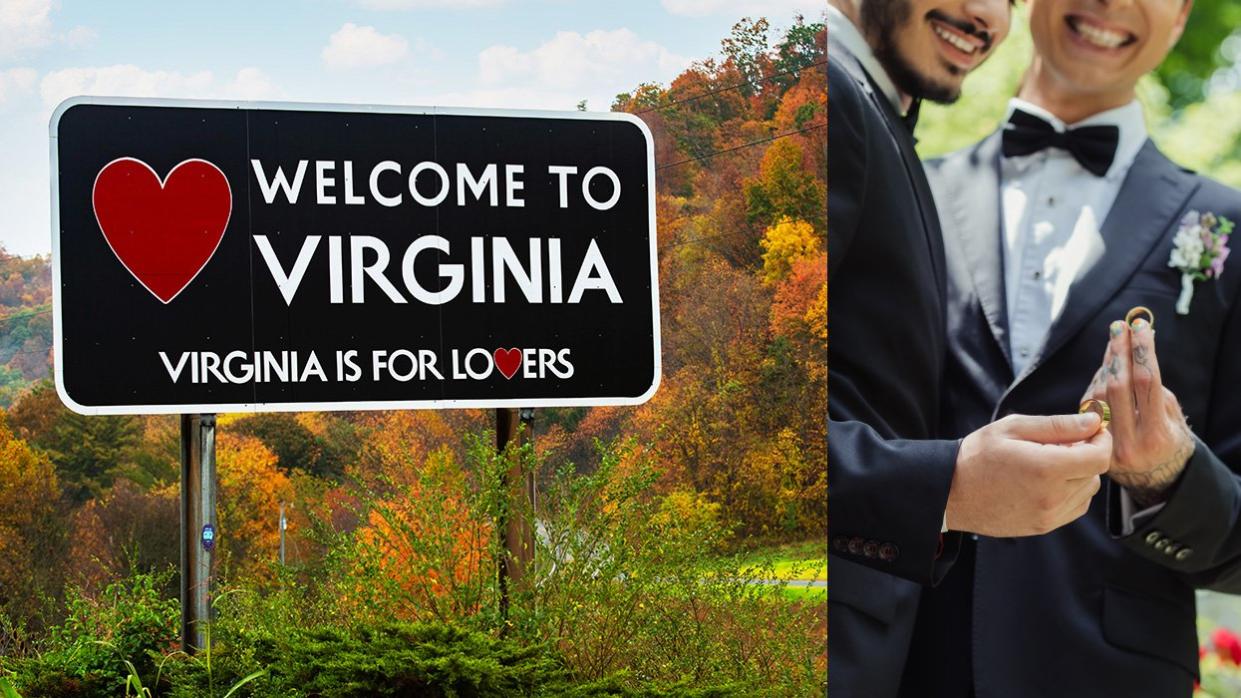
(1138, 311)
(1099, 407)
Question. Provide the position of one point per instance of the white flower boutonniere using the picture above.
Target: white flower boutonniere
(1198, 252)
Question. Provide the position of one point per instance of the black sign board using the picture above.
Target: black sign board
(216, 257)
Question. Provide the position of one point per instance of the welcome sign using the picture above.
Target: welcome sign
(213, 257)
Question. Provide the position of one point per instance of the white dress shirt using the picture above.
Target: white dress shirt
(1052, 211)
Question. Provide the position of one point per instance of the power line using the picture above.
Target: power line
(744, 145)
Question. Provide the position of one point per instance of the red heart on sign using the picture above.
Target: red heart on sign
(508, 361)
(163, 232)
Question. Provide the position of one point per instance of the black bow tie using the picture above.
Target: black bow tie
(1094, 147)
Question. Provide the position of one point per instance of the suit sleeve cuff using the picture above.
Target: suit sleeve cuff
(1130, 518)
(1182, 532)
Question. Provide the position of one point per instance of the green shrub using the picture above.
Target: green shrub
(87, 654)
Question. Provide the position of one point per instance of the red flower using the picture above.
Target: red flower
(1227, 645)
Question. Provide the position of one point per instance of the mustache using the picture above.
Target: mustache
(964, 27)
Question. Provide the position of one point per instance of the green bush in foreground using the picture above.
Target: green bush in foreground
(391, 659)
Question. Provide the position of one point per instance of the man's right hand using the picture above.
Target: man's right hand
(1025, 475)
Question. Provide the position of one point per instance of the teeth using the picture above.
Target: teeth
(1103, 38)
(955, 40)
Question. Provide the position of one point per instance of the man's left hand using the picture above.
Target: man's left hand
(1151, 441)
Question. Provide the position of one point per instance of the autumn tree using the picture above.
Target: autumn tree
(783, 188)
(251, 489)
(784, 244)
(31, 529)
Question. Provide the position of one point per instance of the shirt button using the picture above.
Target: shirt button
(1051, 202)
(1038, 275)
(1025, 353)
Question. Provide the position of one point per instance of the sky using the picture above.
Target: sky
(532, 54)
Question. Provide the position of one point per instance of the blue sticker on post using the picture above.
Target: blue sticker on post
(208, 537)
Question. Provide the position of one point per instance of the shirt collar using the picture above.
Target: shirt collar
(1129, 119)
(842, 29)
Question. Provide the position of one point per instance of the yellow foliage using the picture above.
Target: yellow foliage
(784, 244)
(251, 491)
(28, 495)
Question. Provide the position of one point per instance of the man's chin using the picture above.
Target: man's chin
(915, 82)
(942, 95)
(927, 88)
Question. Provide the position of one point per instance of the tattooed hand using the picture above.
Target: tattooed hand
(1151, 441)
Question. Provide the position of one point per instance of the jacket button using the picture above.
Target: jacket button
(855, 545)
(1183, 554)
(1162, 543)
(870, 548)
(840, 544)
(1153, 537)
(888, 552)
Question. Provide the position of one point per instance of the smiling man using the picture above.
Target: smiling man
(895, 486)
(1055, 228)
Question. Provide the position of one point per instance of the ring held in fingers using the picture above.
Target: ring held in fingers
(1137, 312)
(1099, 407)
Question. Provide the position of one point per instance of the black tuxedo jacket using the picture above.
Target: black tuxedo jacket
(1087, 610)
(888, 480)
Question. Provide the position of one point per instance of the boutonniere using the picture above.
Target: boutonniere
(1198, 252)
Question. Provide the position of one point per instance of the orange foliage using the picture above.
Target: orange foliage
(799, 309)
(430, 543)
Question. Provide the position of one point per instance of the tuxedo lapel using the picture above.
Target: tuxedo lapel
(905, 145)
(1151, 200)
(973, 203)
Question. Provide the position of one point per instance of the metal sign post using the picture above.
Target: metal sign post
(198, 526)
(517, 530)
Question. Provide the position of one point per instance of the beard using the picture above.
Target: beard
(881, 19)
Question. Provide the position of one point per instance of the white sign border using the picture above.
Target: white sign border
(345, 406)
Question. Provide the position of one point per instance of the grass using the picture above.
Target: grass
(806, 560)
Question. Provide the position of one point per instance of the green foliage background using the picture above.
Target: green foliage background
(1197, 127)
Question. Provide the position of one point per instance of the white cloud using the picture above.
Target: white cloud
(24, 24)
(79, 37)
(428, 4)
(771, 9)
(617, 58)
(353, 46)
(132, 81)
(15, 80)
(252, 84)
